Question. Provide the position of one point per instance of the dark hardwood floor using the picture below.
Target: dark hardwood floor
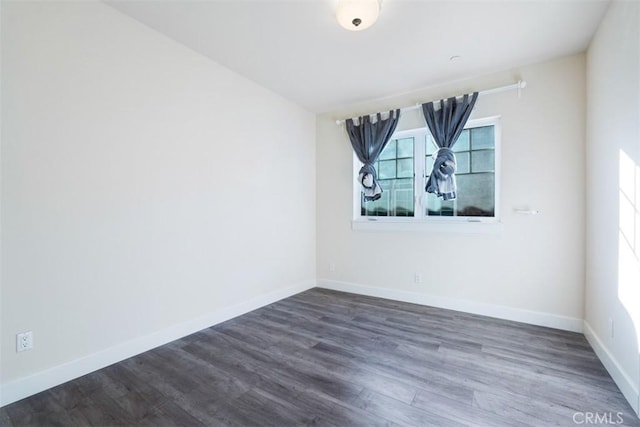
(330, 358)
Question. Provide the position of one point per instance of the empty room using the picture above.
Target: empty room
(320, 212)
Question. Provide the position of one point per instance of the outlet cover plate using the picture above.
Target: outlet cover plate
(24, 341)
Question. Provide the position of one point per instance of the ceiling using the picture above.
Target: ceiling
(297, 49)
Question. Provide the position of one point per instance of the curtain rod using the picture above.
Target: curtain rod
(518, 86)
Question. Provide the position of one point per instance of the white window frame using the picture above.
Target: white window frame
(422, 222)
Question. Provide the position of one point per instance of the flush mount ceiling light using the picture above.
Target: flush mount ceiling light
(357, 15)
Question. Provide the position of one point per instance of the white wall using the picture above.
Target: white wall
(144, 187)
(613, 197)
(534, 270)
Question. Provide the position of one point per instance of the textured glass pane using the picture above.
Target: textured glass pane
(476, 195)
(462, 160)
(396, 200)
(402, 197)
(387, 169)
(389, 151)
(405, 168)
(475, 198)
(462, 144)
(482, 137)
(430, 146)
(433, 205)
(428, 165)
(482, 161)
(397, 197)
(405, 147)
(439, 207)
(379, 207)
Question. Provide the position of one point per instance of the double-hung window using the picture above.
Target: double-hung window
(404, 167)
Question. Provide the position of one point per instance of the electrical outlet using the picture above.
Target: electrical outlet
(417, 278)
(24, 341)
(332, 267)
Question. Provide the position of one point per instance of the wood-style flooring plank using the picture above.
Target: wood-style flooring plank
(327, 358)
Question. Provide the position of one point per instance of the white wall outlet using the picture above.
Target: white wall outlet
(24, 341)
(332, 267)
(417, 278)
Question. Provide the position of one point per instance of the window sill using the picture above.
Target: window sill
(430, 227)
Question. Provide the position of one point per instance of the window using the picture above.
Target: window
(395, 170)
(403, 169)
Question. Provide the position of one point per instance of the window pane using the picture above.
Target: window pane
(396, 200)
(428, 165)
(462, 144)
(475, 195)
(482, 161)
(405, 168)
(430, 145)
(381, 206)
(475, 198)
(462, 162)
(395, 174)
(475, 156)
(439, 207)
(482, 137)
(402, 196)
(387, 169)
(389, 151)
(405, 147)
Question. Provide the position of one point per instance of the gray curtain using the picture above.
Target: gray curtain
(368, 139)
(446, 124)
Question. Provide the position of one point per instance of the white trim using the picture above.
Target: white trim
(43, 380)
(498, 311)
(626, 384)
(424, 226)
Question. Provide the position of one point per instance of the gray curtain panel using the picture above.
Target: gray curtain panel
(368, 139)
(446, 124)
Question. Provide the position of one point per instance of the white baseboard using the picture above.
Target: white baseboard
(40, 381)
(501, 312)
(626, 385)
(27, 386)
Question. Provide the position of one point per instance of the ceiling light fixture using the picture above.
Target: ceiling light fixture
(357, 15)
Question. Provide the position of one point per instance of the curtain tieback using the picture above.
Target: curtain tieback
(445, 163)
(367, 176)
(442, 181)
(370, 188)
